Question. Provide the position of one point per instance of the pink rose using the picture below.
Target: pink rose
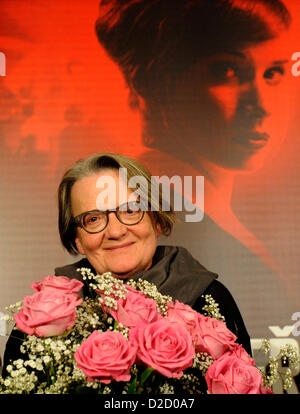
(165, 346)
(242, 354)
(47, 313)
(266, 390)
(61, 283)
(184, 314)
(137, 308)
(232, 375)
(106, 356)
(213, 337)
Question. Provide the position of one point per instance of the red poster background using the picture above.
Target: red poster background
(63, 98)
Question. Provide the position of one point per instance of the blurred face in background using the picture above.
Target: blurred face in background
(17, 40)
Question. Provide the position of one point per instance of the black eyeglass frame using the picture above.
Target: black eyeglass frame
(78, 220)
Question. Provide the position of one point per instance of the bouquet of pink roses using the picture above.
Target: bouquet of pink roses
(125, 338)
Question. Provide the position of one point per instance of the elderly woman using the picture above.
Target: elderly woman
(116, 229)
(120, 234)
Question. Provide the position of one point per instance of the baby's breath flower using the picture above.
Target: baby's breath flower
(46, 359)
(266, 346)
(39, 366)
(271, 372)
(211, 308)
(202, 361)
(30, 363)
(166, 389)
(40, 348)
(106, 390)
(7, 382)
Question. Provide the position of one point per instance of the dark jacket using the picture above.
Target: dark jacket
(176, 273)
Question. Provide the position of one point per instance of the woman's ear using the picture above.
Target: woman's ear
(79, 245)
(158, 229)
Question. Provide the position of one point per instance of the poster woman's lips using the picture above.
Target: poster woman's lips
(252, 140)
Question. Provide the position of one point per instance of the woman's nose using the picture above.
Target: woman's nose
(251, 106)
(115, 229)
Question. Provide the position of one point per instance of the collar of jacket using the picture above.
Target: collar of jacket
(176, 273)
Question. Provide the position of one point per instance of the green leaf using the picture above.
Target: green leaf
(146, 374)
(131, 389)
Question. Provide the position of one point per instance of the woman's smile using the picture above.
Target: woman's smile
(120, 247)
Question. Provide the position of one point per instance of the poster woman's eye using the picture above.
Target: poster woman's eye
(274, 75)
(224, 72)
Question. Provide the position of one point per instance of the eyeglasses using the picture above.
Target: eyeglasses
(95, 221)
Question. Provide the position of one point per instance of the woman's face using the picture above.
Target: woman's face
(120, 249)
(232, 108)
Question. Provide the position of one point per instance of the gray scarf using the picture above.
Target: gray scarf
(174, 271)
